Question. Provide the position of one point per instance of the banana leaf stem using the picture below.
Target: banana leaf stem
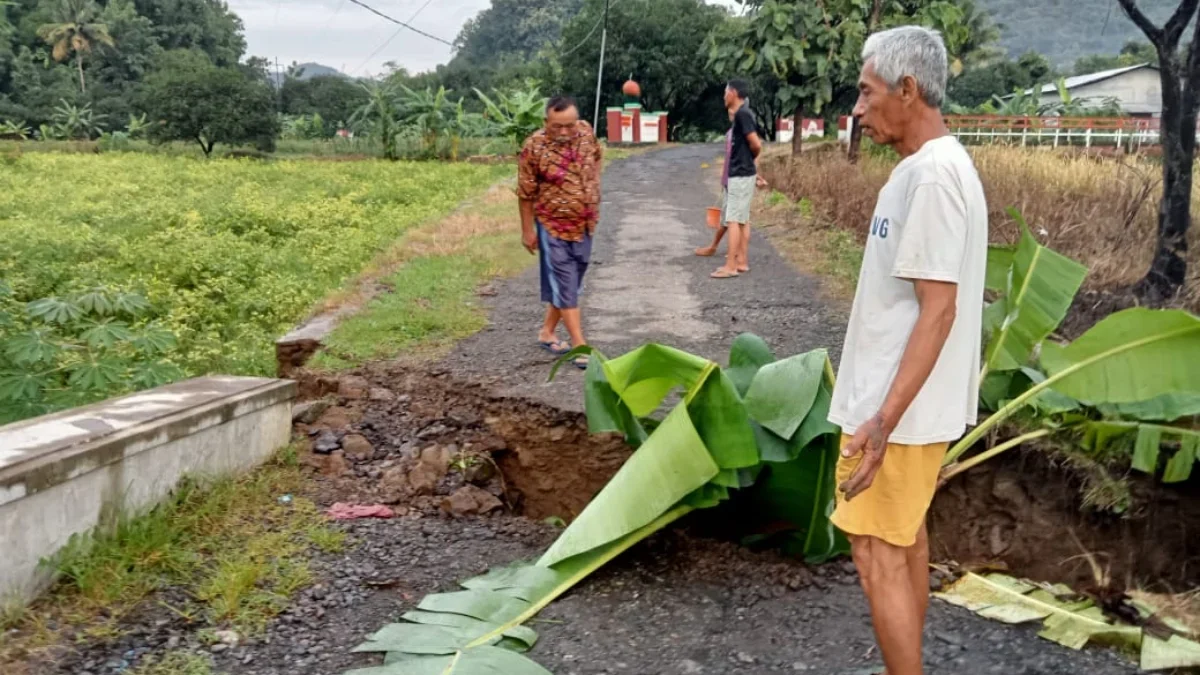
(952, 470)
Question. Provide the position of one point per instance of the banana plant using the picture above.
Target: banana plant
(758, 426)
(15, 130)
(1136, 358)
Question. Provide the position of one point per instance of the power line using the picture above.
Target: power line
(398, 22)
(587, 37)
(393, 36)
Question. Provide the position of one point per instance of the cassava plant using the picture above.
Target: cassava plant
(61, 352)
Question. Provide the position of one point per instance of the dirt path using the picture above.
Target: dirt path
(646, 285)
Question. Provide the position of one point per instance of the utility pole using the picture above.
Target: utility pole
(600, 74)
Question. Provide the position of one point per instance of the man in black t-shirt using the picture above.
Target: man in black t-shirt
(745, 146)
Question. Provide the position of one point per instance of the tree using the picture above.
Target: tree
(514, 30)
(657, 42)
(333, 98)
(813, 48)
(192, 99)
(1180, 75)
(75, 31)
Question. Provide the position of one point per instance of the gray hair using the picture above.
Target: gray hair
(910, 51)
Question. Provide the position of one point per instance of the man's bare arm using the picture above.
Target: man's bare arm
(528, 234)
(938, 307)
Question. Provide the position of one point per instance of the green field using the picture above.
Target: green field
(230, 254)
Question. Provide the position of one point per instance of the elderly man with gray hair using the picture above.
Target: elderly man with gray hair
(908, 379)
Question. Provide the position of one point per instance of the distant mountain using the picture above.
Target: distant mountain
(1064, 30)
(307, 72)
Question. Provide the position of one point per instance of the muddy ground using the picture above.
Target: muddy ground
(475, 453)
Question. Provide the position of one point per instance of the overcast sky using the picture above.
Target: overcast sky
(342, 35)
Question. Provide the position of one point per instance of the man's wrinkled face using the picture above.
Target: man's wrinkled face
(562, 125)
(730, 97)
(880, 110)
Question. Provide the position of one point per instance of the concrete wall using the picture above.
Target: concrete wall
(1139, 91)
(74, 471)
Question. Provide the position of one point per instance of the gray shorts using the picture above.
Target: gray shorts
(738, 196)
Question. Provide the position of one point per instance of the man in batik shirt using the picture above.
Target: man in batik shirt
(559, 191)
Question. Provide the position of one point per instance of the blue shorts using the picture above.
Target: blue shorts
(563, 264)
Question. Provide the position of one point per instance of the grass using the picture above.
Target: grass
(431, 279)
(175, 663)
(235, 552)
(1101, 212)
(831, 253)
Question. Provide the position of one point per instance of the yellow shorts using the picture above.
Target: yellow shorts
(894, 507)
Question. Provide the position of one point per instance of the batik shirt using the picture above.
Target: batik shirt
(563, 182)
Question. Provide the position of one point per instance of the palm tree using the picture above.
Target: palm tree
(75, 31)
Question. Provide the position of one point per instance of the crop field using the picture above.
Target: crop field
(226, 255)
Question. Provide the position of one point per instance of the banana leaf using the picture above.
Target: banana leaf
(671, 464)
(477, 661)
(1131, 356)
(722, 423)
(782, 393)
(1174, 652)
(644, 377)
(999, 264)
(1000, 387)
(1069, 622)
(801, 492)
(1041, 287)
(1165, 408)
(747, 355)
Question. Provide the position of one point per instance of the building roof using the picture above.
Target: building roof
(1091, 78)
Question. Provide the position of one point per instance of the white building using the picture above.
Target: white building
(1138, 89)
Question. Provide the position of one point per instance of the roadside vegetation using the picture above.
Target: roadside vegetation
(232, 551)
(129, 270)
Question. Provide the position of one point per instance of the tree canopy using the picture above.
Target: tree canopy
(84, 51)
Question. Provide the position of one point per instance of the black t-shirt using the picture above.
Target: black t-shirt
(741, 160)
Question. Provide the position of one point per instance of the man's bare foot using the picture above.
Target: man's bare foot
(706, 251)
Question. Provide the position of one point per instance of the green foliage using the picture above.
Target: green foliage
(76, 122)
(229, 254)
(333, 98)
(377, 116)
(99, 52)
(75, 31)
(657, 42)
(61, 352)
(17, 130)
(192, 99)
(813, 49)
(1130, 371)
(515, 114)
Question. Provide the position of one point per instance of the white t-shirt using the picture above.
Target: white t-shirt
(930, 222)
